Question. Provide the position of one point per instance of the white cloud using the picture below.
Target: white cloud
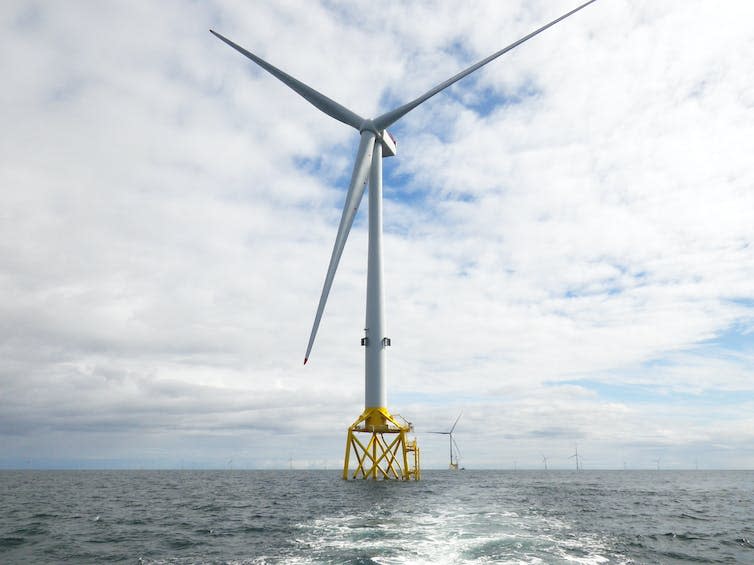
(167, 211)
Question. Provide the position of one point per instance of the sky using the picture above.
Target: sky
(569, 244)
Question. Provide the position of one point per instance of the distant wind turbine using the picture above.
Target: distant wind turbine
(378, 457)
(453, 466)
(544, 460)
(578, 457)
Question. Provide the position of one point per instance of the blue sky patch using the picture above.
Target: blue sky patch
(657, 394)
(737, 338)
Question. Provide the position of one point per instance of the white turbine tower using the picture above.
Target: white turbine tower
(378, 458)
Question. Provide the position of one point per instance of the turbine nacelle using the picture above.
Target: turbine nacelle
(389, 144)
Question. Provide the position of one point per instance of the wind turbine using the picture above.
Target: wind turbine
(453, 466)
(577, 456)
(379, 457)
(544, 460)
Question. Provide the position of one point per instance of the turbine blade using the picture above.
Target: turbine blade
(317, 99)
(458, 451)
(353, 198)
(389, 118)
(454, 423)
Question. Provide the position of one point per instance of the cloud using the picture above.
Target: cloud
(564, 229)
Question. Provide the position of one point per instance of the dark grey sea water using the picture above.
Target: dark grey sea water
(314, 517)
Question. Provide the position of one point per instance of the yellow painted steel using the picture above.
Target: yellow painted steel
(381, 448)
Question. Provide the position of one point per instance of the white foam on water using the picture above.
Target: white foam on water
(447, 536)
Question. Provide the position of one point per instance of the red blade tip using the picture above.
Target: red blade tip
(305, 360)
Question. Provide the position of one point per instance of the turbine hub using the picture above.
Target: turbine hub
(388, 142)
(368, 125)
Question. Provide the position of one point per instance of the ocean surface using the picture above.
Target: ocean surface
(315, 517)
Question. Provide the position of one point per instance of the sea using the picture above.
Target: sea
(250, 517)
